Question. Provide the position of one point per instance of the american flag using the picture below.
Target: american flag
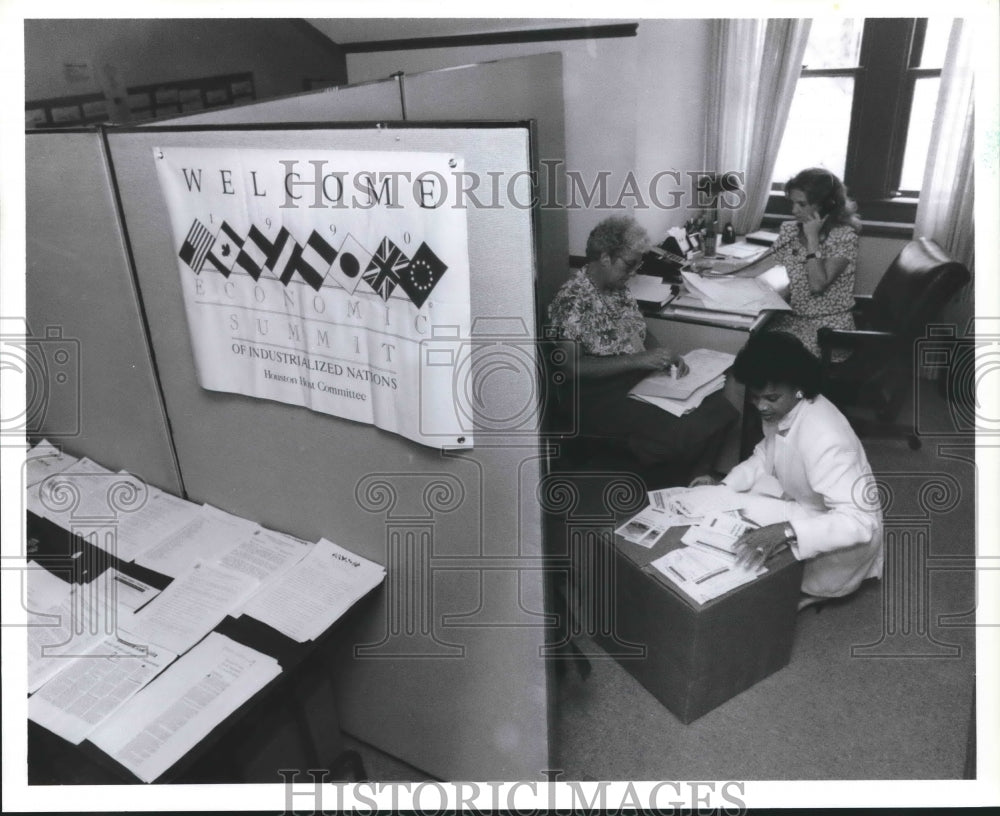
(196, 245)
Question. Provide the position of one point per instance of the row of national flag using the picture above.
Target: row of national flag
(317, 262)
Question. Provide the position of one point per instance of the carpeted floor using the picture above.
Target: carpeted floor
(831, 713)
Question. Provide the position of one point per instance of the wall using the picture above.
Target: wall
(280, 53)
(875, 253)
(631, 104)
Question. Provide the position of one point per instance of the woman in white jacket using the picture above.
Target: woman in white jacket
(811, 457)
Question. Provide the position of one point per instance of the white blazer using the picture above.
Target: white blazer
(813, 459)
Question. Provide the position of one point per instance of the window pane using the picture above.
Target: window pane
(918, 135)
(935, 42)
(818, 126)
(833, 43)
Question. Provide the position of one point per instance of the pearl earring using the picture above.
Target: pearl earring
(799, 395)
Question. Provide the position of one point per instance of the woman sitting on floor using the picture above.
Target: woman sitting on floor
(811, 457)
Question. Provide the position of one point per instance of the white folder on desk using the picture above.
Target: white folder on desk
(704, 366)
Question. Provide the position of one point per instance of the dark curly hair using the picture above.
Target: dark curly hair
(827, 192)
(780, 359)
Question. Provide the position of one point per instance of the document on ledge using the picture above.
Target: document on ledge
(160, 515)
(171, 715)
(314, 593)
(59, 624)
(702, 576)
(90, 688)
(206, 537)
(265, 556)
(43, 460)
(190, 607)
(79, 490)
(67, 620)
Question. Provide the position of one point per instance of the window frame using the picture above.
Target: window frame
(884, 83)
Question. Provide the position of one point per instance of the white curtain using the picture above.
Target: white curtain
(945, 211)
(757, 63)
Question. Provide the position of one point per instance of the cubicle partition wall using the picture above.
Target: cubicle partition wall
(91, 379)
(446, 669)
(515, 89)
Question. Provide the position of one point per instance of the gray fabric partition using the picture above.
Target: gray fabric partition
(446, 672)
(81, 300)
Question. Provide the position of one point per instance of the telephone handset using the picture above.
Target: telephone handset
(663, 262)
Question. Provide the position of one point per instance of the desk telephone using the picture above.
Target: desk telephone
(664, 260)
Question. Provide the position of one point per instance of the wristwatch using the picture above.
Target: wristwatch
(789, 533)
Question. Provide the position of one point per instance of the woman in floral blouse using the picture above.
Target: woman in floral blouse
(596, 310)
(819, 248)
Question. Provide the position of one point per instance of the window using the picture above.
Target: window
(863, 109)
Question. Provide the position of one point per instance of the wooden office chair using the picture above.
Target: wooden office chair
(880, 372)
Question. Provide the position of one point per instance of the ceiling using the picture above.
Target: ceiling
(365, 29)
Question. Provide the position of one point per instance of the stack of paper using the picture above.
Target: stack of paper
(741, 296)
(702, 576)
(44, 460)
(647, 526)
(679, 395)
(164, 721)
(743, 251)
(717, 534)
(651, 290)
(314, 593)
(89, 689)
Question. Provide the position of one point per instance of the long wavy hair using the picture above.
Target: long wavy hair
(827, 192)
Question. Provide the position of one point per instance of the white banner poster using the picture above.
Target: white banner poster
(316, 278)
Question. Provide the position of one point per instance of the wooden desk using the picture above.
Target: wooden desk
(695, 657)
(712, 330)
(291, 723)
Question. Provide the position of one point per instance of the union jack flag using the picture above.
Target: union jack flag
(386, 266)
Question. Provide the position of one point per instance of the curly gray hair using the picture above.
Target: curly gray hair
(618, 235)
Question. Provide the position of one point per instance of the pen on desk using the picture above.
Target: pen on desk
(712, 574)
(677, 573)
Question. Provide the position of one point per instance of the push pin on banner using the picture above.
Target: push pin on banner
(452, 163)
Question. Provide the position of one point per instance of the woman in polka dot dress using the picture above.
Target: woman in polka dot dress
(819, 248)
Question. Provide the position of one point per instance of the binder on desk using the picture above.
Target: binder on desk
(651, 292)
(762, 237)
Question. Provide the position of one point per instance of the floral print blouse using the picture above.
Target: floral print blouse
(604, 323)
(840, 242)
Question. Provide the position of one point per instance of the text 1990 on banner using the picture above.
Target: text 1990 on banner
(314, 278)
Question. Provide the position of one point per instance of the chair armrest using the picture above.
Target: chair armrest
(862, 309)
(830, 338)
